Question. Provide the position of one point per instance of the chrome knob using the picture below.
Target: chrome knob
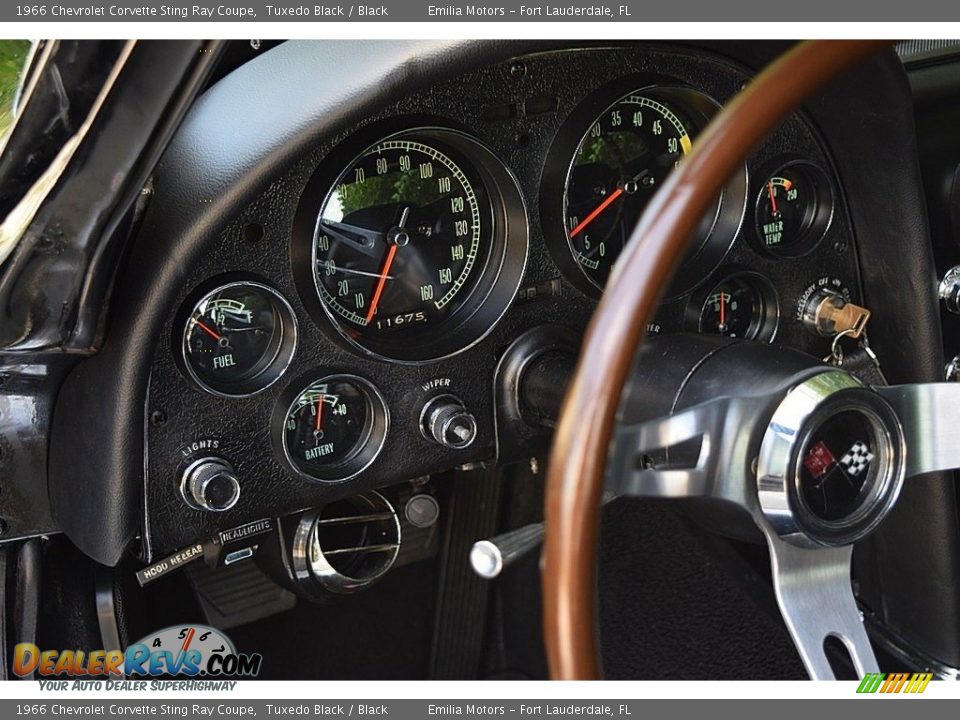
(950, 290)
(210, 484)
(488, 558)
(446, 421)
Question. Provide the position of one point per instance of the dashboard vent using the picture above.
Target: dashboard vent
(347, 545)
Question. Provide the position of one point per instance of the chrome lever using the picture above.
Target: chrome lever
(488, 558)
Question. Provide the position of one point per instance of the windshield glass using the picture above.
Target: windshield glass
(13, 63)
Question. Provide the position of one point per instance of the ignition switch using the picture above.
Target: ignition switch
(826, 310)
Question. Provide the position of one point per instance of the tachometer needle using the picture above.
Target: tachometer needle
(384, 273)
(212, 333)
(596, 211)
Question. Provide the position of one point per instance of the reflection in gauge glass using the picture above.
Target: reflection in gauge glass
(238, 339)
(334, 428)
(410, 242)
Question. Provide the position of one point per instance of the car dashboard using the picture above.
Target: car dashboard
(366, 319)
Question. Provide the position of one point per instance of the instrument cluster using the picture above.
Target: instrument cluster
(355, 340)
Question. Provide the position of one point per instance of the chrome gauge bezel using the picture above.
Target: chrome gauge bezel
(492, 291)
(273, 369)
(719, 229)
(368, 449)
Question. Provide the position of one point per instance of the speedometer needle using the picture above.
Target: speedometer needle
(387, 264)
(388, 261)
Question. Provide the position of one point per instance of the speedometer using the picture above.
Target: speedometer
(410, 241)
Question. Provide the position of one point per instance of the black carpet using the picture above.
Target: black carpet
(677, 604)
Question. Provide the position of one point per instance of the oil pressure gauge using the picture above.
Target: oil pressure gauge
(334, 428)
(743, 305)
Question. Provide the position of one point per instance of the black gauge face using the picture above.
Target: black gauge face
(742, 306)
(402, 243)
(334, 428)
(619, 164)
(238, 339)
(793, 210)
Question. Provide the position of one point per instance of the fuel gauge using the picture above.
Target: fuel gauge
(238, 339)
(334, 428)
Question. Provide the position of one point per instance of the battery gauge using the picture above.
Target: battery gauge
(334, 428)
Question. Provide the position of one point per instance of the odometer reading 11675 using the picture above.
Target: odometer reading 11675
(402, 240)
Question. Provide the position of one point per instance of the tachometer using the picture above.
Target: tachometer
(623, 158)
(616, 160)
(410, 242)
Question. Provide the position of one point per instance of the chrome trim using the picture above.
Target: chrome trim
(488, 558)
(187, 491)
(310, 566)
(780, 460)
(930, 415)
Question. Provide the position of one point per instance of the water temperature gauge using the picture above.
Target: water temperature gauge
(334, 428)
(793, 210)
(238, 339)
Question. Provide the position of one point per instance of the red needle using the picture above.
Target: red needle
(773, 197)
(388, 261)
(319, 412)
(723, 309)
(596, 211)
(215, 335)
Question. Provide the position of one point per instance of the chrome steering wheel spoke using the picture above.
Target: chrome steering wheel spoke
(930, 416)
(816, 600)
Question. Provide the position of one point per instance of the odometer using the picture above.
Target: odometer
(403, 242)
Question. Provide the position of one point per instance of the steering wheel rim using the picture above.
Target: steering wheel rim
(579, 453)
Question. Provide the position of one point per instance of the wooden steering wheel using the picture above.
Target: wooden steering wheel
(580, 451)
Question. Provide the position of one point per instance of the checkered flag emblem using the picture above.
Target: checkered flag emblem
(856, 459)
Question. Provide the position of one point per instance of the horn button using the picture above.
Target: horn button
(831, 462)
